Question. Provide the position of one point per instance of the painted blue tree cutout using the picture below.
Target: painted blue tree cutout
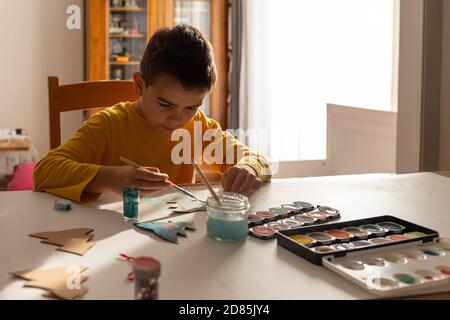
(168, 230)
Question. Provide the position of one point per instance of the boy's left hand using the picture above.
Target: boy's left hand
(240, 179)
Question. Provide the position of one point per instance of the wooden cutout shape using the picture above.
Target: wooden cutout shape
(73, 240)
(56, 281)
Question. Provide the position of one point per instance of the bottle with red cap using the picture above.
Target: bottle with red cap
(146, 272)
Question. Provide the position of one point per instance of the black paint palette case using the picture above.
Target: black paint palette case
(385, 255)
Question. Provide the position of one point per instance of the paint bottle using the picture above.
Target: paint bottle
(227, 220)
(146, 272)
(130, 203)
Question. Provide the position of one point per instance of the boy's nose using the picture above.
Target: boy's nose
(175, 118)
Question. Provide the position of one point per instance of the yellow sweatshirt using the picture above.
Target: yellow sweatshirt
(120, 131)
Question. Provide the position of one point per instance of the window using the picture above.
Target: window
(304, 54)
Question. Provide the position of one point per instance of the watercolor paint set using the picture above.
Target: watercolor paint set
(266, 224)
(385, 255)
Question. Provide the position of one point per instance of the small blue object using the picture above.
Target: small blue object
(130, 203)
(62, 205)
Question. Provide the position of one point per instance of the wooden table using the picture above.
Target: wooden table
(199, 267)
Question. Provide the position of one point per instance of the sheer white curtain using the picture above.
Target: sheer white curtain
(299, 55)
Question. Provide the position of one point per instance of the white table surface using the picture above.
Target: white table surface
(199, 267)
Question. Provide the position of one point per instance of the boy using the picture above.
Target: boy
(177, 73)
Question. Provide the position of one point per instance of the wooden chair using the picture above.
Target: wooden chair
(81, 96)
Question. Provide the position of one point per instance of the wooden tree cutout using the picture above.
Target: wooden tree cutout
(73, 240)
(64, 282)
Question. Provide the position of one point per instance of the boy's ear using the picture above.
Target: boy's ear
(139, 84)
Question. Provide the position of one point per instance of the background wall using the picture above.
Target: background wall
(36, 43)
(410, 85)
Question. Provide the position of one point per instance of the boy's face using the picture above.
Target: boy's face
(165, 104)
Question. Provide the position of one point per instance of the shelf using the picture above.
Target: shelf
(130, 63)
(118, 35)
(126, 9)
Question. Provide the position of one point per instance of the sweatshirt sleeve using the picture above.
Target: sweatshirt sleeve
(222, 145)
(66, 170)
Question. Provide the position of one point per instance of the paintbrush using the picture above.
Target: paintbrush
(213, 193)
(131, 163)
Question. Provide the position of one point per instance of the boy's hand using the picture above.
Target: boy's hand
(147, 181)
(114, 179)
(240, 179)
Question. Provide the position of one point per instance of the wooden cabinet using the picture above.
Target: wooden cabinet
(118, 31)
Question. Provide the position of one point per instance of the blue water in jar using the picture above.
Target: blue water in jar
(227, 230)
(228, 221)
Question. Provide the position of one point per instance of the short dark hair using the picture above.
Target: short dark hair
(183, 52)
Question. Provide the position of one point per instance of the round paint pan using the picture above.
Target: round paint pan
(267, 215)
(293, 209)
(304, 219)
(428, 274)
(303, 205)
(385, 283)
(392, 226)
(303, 239)
(397, 237)
(414, 234)
(340, 235)
(331, 212)
(375, 261)
(353, 265)
(406, 278)
(316, 214)
(396, 258)
(342, 246)
(321, 237)
(361, 243)
(433, 252)
(263, 232)
(445, 270)
(323, 249)
(415, 255)
(374, 229)
(281, 212)
(254, 219)
(380, 240)
(276, 226)
(291, 223)
(357, 232)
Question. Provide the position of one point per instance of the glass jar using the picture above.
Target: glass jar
(146, 271)
(130, 203)
(228, 220)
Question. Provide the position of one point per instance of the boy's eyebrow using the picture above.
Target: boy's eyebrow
(167, 101)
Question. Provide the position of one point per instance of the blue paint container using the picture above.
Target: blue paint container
(130, 203)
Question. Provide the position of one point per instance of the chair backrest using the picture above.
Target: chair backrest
(81, 96)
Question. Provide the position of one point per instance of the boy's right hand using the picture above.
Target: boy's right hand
(147, 181)
(114, 179)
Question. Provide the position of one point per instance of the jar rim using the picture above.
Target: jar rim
(243, 201)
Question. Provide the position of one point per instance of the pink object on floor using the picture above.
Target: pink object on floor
(22, 177)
